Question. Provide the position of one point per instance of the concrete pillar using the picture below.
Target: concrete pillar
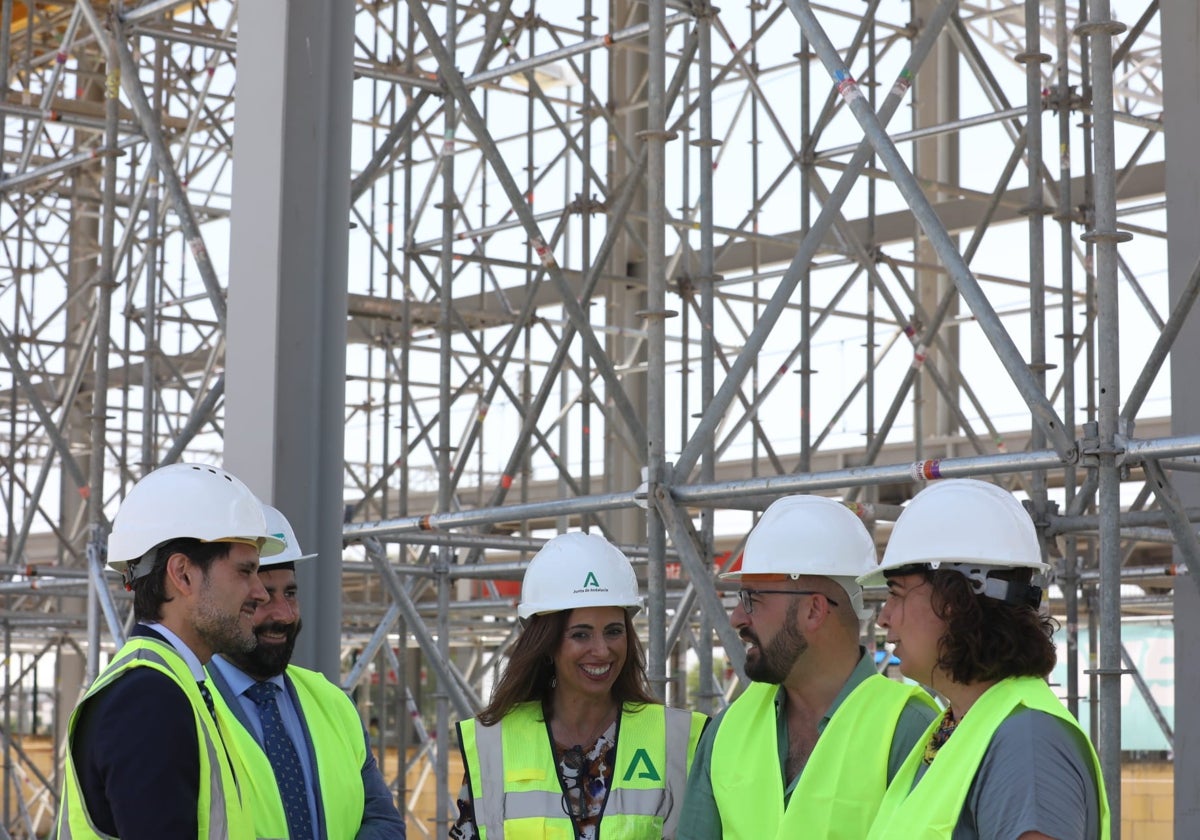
(935, 101)
(1181, 102)
(622, 469)
(286, 342)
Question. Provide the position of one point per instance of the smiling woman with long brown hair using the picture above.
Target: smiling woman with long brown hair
(572, 734)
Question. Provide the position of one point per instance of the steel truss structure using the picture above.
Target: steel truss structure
(639, 267)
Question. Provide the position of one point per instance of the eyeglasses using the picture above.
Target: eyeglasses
(746, 596)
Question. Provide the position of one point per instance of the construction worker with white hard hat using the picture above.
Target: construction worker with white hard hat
(572, 737)
(297, 740)
(1006, 760)
(809, 747)
(145, 756)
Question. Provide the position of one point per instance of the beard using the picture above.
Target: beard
(221, 630)
(268, 659)
(774, 662)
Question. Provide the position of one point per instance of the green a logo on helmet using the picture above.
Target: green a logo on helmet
(591, 586)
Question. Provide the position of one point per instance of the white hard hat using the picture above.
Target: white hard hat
(279, 527)
(810, 535)
(967, 525)
(185, 500)
(578, 570)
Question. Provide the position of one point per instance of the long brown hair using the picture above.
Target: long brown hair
(531, 667)
(987, 639)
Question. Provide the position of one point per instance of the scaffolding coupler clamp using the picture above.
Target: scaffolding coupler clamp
(1092, 449)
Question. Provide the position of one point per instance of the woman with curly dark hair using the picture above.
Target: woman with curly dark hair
(572, 734)
(1005, 761)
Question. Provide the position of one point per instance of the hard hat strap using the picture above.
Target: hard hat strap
(139, 568)
(1009, 591)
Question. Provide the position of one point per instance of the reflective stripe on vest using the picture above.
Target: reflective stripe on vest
(335, 728)
(219, 812)
(842, 783)
(932, 809)
(516, 791)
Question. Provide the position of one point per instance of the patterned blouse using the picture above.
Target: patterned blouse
(585, 776)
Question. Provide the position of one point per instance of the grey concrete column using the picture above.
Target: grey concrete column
(935, 102)
(286, 343)
(1181, 100)
(624, 301)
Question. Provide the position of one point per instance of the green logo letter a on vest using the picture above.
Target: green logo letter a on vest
(590, 580)
(650, 772)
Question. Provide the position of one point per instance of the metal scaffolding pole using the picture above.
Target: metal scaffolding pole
(655, 316)
(494, 366)
(1099, 31)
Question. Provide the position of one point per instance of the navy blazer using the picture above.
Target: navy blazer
(137, 757)
(381, 820)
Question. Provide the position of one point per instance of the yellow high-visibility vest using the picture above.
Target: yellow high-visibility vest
(842, 783)
(220, 814)
(516, 792)
(336, 731)
(931, 810)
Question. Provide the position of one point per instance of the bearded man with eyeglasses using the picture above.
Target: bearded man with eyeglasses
(810, 746)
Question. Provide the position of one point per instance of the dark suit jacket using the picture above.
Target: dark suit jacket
(137, 757)
(381, 820)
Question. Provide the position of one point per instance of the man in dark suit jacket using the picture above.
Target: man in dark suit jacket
(143, 741)
(344, 793)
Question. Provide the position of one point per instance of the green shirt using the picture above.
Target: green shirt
(701, 820)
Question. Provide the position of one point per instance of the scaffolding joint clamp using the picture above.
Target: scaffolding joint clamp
(1106, 236)
(664, 136)
(1099, 27)
(661, 314)
(1031, 58)
(1091, 449)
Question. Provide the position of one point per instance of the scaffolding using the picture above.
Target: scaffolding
(639, 267)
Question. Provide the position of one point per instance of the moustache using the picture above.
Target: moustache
(275, 627)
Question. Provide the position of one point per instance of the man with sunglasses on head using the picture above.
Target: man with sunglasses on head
(810, 746)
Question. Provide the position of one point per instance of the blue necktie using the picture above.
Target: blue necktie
(207, 695)
(289, 775)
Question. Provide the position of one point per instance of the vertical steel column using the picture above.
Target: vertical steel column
(407, 402)
(150, 331)
(6, 18)
(708, 346)
(806, 200)
(1100, 29)
(108, 224)
(1180, 26)
(442, 561)
(1069, 569)
(655, 318)
(1032, 58)
(286, 341)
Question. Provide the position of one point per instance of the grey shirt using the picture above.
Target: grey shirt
(1037, 775)
(701, 819)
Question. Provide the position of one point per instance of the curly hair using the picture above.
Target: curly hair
(150, 591)
(986, 639)
(531, 667)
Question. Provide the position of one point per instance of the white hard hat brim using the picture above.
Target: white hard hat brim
(268, 562)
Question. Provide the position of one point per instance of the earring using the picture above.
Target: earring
(553, 680)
